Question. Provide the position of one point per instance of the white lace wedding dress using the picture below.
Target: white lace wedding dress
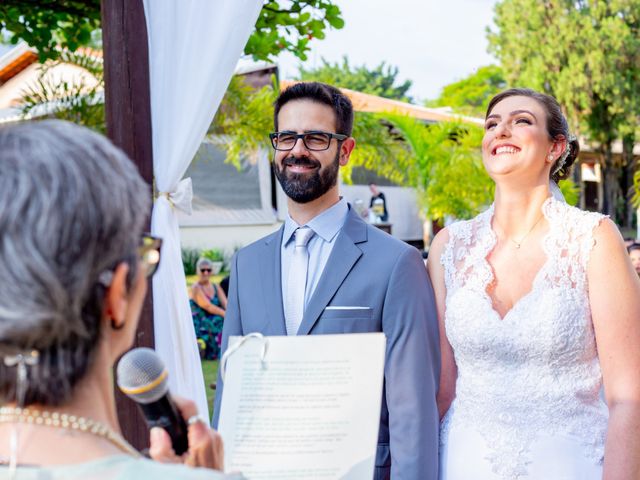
(528, 402)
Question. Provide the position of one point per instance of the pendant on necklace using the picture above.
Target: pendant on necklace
(517, 245)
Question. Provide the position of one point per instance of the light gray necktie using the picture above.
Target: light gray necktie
(297, 281)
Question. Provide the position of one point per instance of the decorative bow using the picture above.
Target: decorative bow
(181, 197)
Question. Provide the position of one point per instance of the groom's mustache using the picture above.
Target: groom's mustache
(300, 161)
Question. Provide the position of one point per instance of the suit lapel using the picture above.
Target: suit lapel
(270, 278)
(343, 257)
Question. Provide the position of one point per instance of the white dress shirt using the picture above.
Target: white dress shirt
(326, 227)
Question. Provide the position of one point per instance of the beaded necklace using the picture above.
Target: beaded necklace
(68, 422)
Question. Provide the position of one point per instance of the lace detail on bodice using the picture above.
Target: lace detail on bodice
(535, 371)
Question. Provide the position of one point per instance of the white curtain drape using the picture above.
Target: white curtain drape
(194, 46)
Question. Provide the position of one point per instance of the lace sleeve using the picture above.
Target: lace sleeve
(455, 256)
(446, 260)
(587, 241)
(570, 244)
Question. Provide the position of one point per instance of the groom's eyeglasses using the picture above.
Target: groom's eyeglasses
(315, 141)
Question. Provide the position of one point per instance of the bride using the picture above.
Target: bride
(539, 308)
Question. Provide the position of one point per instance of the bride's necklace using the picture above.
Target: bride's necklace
(68, 422)
(519, 243)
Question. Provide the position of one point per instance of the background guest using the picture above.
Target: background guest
(208, 307)
(224, 284)
(378, 203)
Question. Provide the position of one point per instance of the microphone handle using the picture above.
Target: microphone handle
(163, 413)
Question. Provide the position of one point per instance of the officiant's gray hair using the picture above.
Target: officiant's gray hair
(72, 205)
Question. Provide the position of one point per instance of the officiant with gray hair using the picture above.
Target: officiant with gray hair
(75, 266)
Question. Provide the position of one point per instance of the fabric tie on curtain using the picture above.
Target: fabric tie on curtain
(182, 197)
(194, 46)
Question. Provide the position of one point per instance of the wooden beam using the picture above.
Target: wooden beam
(128, 117)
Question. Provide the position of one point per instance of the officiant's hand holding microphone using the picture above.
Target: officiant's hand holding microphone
(205, 444)
(178, 434)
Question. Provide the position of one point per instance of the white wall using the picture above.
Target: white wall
(225, 237)
(402, 205)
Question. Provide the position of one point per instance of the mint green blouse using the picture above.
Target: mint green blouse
(119, 467)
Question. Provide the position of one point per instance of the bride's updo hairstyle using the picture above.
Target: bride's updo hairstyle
(557, 127)
(72, 206)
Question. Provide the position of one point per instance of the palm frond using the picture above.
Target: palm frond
(79, 99)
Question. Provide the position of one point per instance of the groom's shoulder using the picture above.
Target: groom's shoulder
(258, 247)
(383, 245)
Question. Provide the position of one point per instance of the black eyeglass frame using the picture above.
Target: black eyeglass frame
(338, 136)
(149, 243)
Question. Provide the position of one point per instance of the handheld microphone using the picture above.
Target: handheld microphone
(141, 376)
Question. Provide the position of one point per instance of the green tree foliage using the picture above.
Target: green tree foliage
(79, 101)
(586, 54)
(243, 121)
(471, 95)
(570, 191)
(636, 196)
(51, 25)
(380, 80)
(377, 148)
(445, 167)
(289, 25)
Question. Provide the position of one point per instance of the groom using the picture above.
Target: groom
(326, 271)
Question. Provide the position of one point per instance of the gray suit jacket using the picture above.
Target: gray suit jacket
(366, 268)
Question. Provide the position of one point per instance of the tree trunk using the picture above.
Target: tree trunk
(611, 182)
(630, 166)
(128, 116)
(577, 179)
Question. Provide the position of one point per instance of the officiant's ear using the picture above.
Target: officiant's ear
(116, 296)
(346, 148)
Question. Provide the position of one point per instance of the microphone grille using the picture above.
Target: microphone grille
(141, 375)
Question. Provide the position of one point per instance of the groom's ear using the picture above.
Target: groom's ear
(346, 148)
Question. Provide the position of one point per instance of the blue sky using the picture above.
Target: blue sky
(432, 42)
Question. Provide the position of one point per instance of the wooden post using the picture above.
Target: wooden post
(128, 116)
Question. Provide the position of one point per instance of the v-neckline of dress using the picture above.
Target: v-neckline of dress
(491, 276)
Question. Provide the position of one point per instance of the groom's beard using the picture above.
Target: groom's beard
(306, 187)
